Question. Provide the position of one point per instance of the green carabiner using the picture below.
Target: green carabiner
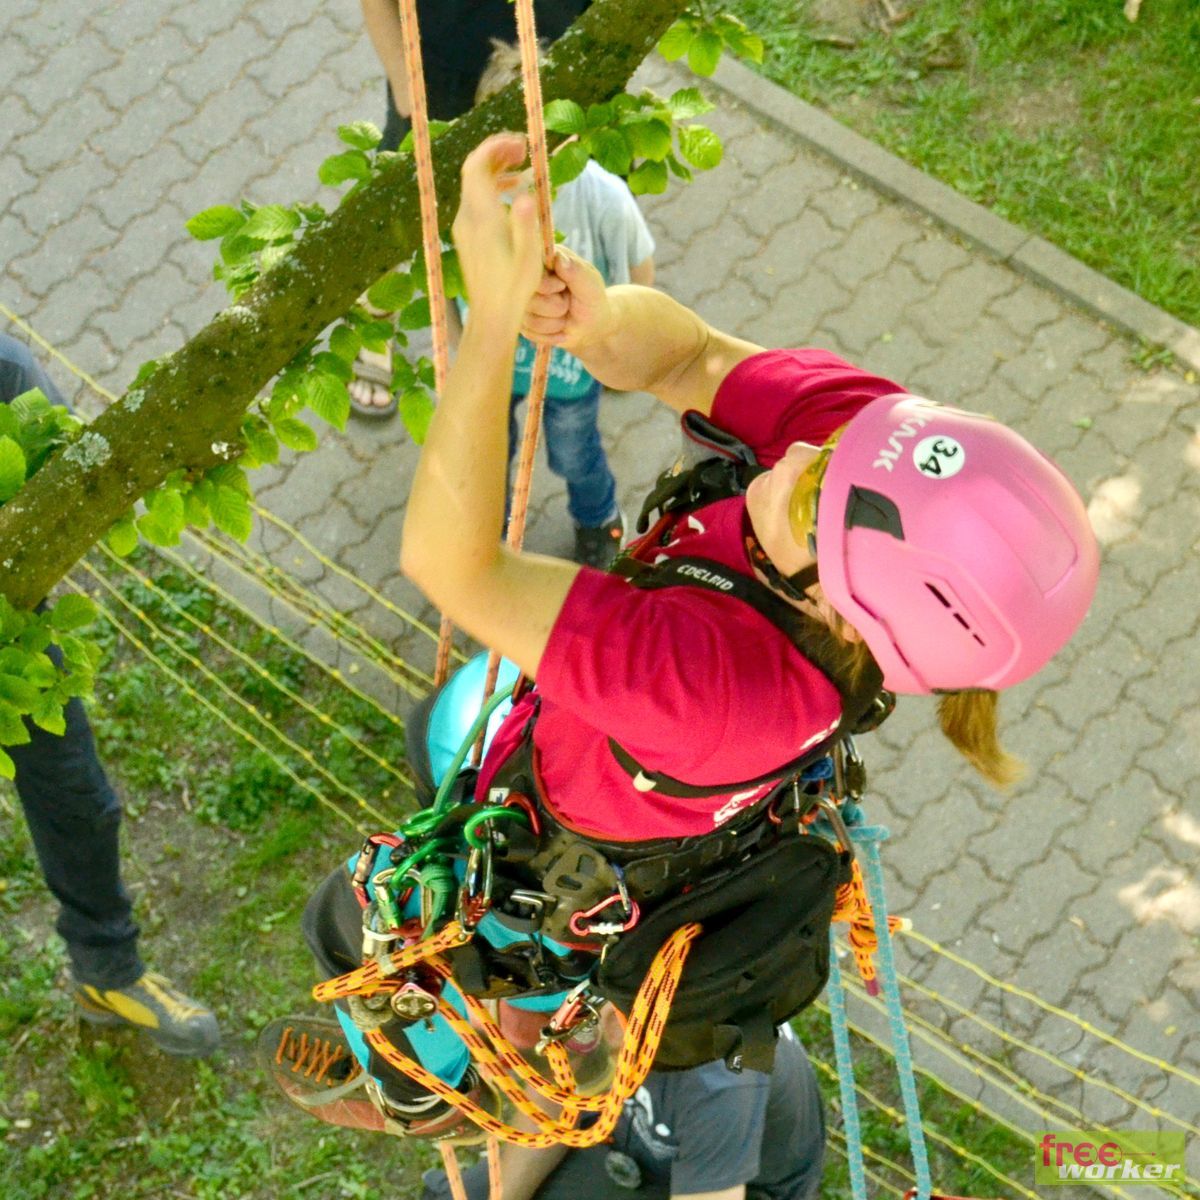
(491, 813)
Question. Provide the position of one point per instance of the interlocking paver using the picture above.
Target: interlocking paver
(845, 203)
(200, 21)
(1070, 887)
(142, 127)
(67, 245)
(65, 71)
(18, 121)
(146, 67)
(296, 58)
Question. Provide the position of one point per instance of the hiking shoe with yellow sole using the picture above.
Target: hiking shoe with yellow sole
(176, 1023)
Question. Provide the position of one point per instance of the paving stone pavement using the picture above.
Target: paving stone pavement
(124, 118)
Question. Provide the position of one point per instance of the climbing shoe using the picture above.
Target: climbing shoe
(310, 1062)
(599, 547)
(177, 1023)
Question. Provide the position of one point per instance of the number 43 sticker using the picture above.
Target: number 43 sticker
(938, 457)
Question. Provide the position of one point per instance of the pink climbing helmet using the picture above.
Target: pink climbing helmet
(962, 554)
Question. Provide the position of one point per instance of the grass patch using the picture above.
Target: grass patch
(1061, 116)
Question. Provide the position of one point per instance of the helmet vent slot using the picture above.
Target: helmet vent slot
(955, 613)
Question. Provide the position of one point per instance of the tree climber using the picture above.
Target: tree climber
(881, 542)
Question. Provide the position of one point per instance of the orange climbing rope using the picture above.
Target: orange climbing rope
(432, 244)
(423, 158)
(854, 909)
(502, 1066)
(539, 161)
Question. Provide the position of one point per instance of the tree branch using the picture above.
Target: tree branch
(187, 414)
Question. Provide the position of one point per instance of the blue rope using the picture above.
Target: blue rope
(851, 1126)
(870, 837)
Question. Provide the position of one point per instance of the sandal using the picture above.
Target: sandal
(372, 379)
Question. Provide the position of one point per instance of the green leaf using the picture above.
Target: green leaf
(229, 475)
(453, 283)
(600, 115)
(675, 42)
(14, 660)
(12, 728)
(567, 164)
(236, 250)
(18, 691)
(416, 411)
(415, 315)
(650, 177)
(352, 164)
(272, 256)
(9, 425)
(260, 441)
(231, 513)
(565, 116)
(12, 468)
(333, 364)
(295, 434)
(326, 395)
(392, 292)
(30, 405)
(71, 612)
(687, 103)
(610, 149)
(214, 222)
(649, 139)
(678, 169)
(40, 670)
(163, 521)
(362, 135)
(195, 508)
(47, 714)
(700, 146)
(8, 768)
(145, 371)
(270, 223)
(123, 537)
(705, 52)
(376, 335)
(746, 45)
(345, 343)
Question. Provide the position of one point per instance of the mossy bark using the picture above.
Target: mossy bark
(187, 414)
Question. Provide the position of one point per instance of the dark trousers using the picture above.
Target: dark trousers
(582, 1175)
(74, 818)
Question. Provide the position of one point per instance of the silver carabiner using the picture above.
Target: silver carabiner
(833, 815)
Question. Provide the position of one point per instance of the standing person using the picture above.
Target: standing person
(882, 541)
(74, 819)
(600, 221)
(456, 42)
(704, 1132)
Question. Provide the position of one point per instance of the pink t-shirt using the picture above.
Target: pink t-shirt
(691, 682)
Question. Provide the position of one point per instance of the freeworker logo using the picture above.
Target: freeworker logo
(1139, 1156)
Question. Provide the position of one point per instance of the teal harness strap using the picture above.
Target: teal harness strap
(869, 838)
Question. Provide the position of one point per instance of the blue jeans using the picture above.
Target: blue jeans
(575, 454)
(74, 818)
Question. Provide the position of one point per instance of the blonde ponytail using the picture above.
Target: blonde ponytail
(968, 719)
